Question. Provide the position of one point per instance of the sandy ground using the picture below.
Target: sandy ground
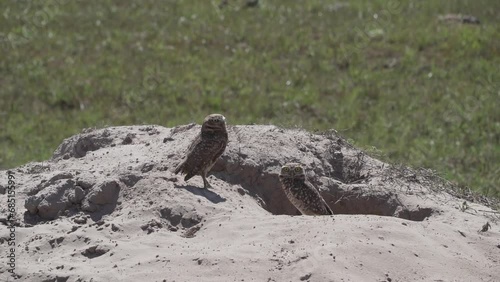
(107, 207)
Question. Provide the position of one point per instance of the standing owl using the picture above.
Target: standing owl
(205, 149)
(303, 195)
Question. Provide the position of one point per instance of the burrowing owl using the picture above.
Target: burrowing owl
(303, 195)
(205, 149)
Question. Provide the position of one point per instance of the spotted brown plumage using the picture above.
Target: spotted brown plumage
(301, 193)
(205, 149)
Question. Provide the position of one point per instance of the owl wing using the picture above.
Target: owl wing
(183, 166)
(196, 141)
(201, 155)
(319, 206)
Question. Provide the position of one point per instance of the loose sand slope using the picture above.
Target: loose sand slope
(107, 207)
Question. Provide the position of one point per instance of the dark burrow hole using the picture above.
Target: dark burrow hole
(273, 199)
(383, 204)
(266, 189)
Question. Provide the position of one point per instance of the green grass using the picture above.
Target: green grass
(423, 92)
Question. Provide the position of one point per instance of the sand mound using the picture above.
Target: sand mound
(108, 207)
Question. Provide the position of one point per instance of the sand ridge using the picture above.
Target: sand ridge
(108, 207)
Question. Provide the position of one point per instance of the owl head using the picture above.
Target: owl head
(292, 170)
(214, 122)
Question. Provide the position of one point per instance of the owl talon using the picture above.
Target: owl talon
(206, 185)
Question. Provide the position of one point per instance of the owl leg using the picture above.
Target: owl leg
(206, 185)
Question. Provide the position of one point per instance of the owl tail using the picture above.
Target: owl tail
(328, 209)
(179, 168)
(182, 169)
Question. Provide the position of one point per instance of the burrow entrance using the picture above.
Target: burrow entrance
(266, 189)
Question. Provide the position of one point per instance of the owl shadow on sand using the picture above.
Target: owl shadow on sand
(202, 192)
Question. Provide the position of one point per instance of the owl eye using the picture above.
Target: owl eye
(285, 169)
(297, 169)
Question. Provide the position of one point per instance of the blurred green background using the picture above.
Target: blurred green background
(386, 74)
